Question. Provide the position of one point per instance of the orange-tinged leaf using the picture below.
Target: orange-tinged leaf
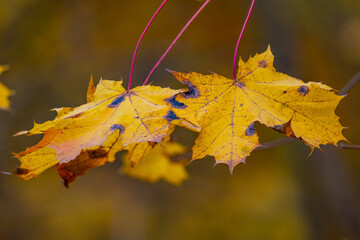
(91, 91)
(140, 115)
(4, 91)
(227, 109)
(100, 155)
(90, 158)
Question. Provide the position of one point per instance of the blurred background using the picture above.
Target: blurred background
(54, 46)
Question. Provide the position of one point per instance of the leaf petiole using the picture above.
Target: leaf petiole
(240, 36)
(176, 38)
(140, 39)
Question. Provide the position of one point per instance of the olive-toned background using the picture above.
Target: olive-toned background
(54, 46)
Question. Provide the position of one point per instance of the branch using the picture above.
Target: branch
(265, 146)
(178, 158)
(350, 84)
(276, 143)
(348, 146)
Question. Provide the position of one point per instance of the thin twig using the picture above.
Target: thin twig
(287, 140)
(348, 146)
(350, 84)
(276, 143)
(175, 40)
(268, 145)
(181, 157)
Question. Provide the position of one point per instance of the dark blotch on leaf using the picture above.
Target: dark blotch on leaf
(97, 153)
(193, 92)
(171, 116)
(116, 102)
(21, 171)
(175, 104)
(76, 116)
(250, 130)
(239, 84)
(284, 129)
(303, 90)
(263, 63)
(116, 127)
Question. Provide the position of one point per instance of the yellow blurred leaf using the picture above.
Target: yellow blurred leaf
(4, 91)
(156, 163)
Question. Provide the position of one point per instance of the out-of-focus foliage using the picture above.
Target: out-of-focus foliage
(4, 91)
(156, 164)
(54, 46)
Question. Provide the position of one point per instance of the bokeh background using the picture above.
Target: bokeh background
(54, 46)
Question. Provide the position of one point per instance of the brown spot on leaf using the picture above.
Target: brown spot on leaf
(116, 102)
(303, 90)
(263, 63)
(97, 153)
(87, 160)
(21, 171)
(76, 116)
(175, 104)
(193, 92)
(285, 129)
(239, 84)
(119, 127)
(171, 116)
(250, 131)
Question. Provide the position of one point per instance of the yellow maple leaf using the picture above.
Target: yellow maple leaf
(227, 109)
(140, 115)
(4, 91)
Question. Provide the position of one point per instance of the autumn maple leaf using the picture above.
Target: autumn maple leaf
(226, 109)
(139, 115)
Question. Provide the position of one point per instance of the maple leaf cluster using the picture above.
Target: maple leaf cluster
(142, 119)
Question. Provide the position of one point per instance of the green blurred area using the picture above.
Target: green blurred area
(54, 46)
